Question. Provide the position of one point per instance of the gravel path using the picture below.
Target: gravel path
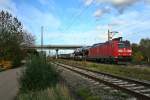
(9, 84)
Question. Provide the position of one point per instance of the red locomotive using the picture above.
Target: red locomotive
(115, 50)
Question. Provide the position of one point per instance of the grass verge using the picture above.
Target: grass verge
(141, 73)
(59, 92)
(85, 94)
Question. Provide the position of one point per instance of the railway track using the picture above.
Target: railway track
(139, 89)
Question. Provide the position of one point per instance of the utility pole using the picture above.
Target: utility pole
(42, 38)
(111, 33)
(49, 53)
(108, 35)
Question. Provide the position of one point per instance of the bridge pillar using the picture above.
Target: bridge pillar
(56, 53)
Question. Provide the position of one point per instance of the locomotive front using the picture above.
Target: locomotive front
(124, 51)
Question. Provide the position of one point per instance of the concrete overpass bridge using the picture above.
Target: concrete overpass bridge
(71, 47)
(56, 47)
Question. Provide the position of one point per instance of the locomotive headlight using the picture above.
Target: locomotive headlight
(120, 50)
(129, 51)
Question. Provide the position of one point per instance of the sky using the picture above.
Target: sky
(82, 22)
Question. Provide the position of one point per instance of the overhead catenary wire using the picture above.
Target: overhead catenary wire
(72, 16)
(78, 16)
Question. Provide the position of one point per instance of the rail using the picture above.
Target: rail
(139, 89)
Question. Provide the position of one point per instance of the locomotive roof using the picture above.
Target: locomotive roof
(115, 39)
(94, 45)
(118, 39)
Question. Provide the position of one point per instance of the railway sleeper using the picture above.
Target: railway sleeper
(147, 94)
(106, 78)
(114, 90)
(96, 83)
(145, 90)
(138, 87)
(128, 85)
(106, 87)
(122, 83)
(113, 79)
(118, 81)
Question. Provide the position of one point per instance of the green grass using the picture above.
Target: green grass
(59, 92)
(85, 94)
(141, 73)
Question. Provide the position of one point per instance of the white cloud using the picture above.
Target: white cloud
(100, 12)
(77, 38)
(120, 5)
(131, 26)
(31, 17)
(88, 2)
(123, 2)
(147, 1)
(38, 19)
(31, 14)
(4, 1)
(118, 2)
(8, 5)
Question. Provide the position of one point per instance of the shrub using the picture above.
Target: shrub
(16, 61)
(37, 75)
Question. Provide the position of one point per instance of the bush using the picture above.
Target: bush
(16, 61)
(137, 57)
(37, 75)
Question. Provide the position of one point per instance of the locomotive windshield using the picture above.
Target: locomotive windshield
(124, 44)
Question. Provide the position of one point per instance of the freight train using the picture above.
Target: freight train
(113, 51)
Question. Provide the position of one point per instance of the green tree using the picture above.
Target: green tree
(138, 57)
(137, 54)
(145, 48)
(135, 47)
(13, 38)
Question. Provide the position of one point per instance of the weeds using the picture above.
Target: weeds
(59, 92)
(37, 75)
(86, 95)
(94, 65)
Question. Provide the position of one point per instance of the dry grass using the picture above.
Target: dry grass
(59, 92)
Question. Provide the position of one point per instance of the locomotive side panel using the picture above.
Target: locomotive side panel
(110, 51)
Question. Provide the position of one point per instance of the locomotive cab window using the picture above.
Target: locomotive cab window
(121, 45)
(127, 44)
